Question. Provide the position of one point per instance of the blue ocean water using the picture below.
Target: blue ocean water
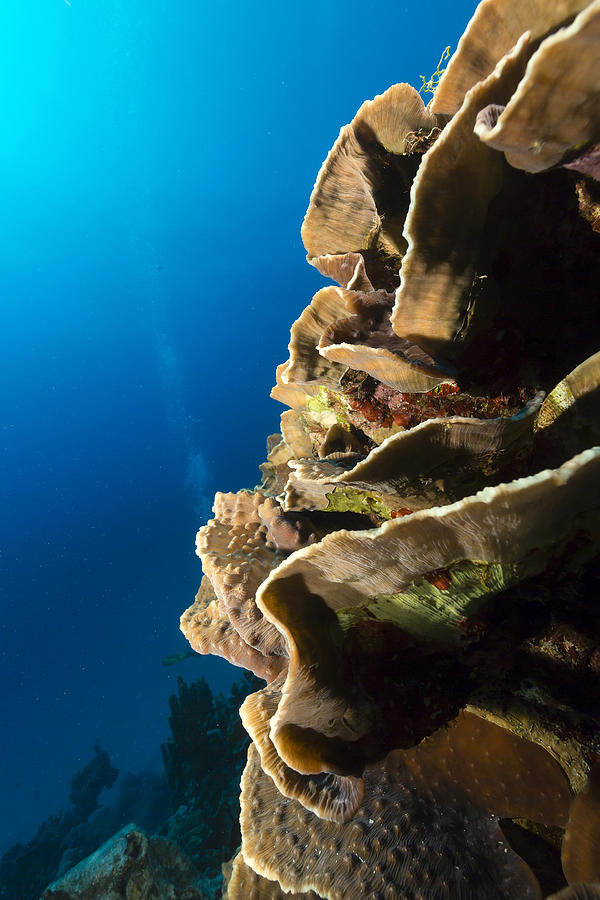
(156, 160)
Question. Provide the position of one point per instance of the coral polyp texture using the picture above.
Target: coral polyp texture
(416, 576)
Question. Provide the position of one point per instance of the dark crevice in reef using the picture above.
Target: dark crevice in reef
(538, 640)
(538, 274)
(540, 851)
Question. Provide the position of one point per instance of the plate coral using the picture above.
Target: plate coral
(416, 576)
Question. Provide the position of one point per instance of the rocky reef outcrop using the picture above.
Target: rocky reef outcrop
(130, 864)
(416, 576)
(158, 833)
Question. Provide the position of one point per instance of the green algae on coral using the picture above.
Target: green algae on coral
(516, 529)
(433, 464)
(319, 404)
(348, 499)
(326, 410)
(558, 401)
(436, 607)
(433, 613)
(328, 407)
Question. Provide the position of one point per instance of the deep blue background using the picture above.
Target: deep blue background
(156, 160)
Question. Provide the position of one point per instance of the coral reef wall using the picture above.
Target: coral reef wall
(416, 576)
(64, 839)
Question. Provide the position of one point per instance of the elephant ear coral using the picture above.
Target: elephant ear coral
(581, 387)
(365, 341)
(555, 107)
(359, 201)
(291, 394)
(405, 840)
(435, 463)
(332, 797)
(483, 544)
(348, 269)
(405, 835)
(306, 365)
(244, 884)
(511, 777)
(416, 575)
(495, 28)
(450, 197)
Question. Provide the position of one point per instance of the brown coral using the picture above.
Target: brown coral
(511, 530)
(331, 797)
(406, 839)
(236, 559)
(435, 463)
(209, 630)
(456, 183)
(495, 28)
(365, 341)
(555, 107)
(414, 391)
(360, 197)
(242, 883)
(581, 846)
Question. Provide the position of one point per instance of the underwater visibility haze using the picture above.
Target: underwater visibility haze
(156, 162)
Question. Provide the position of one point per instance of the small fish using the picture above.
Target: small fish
(178, 657)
